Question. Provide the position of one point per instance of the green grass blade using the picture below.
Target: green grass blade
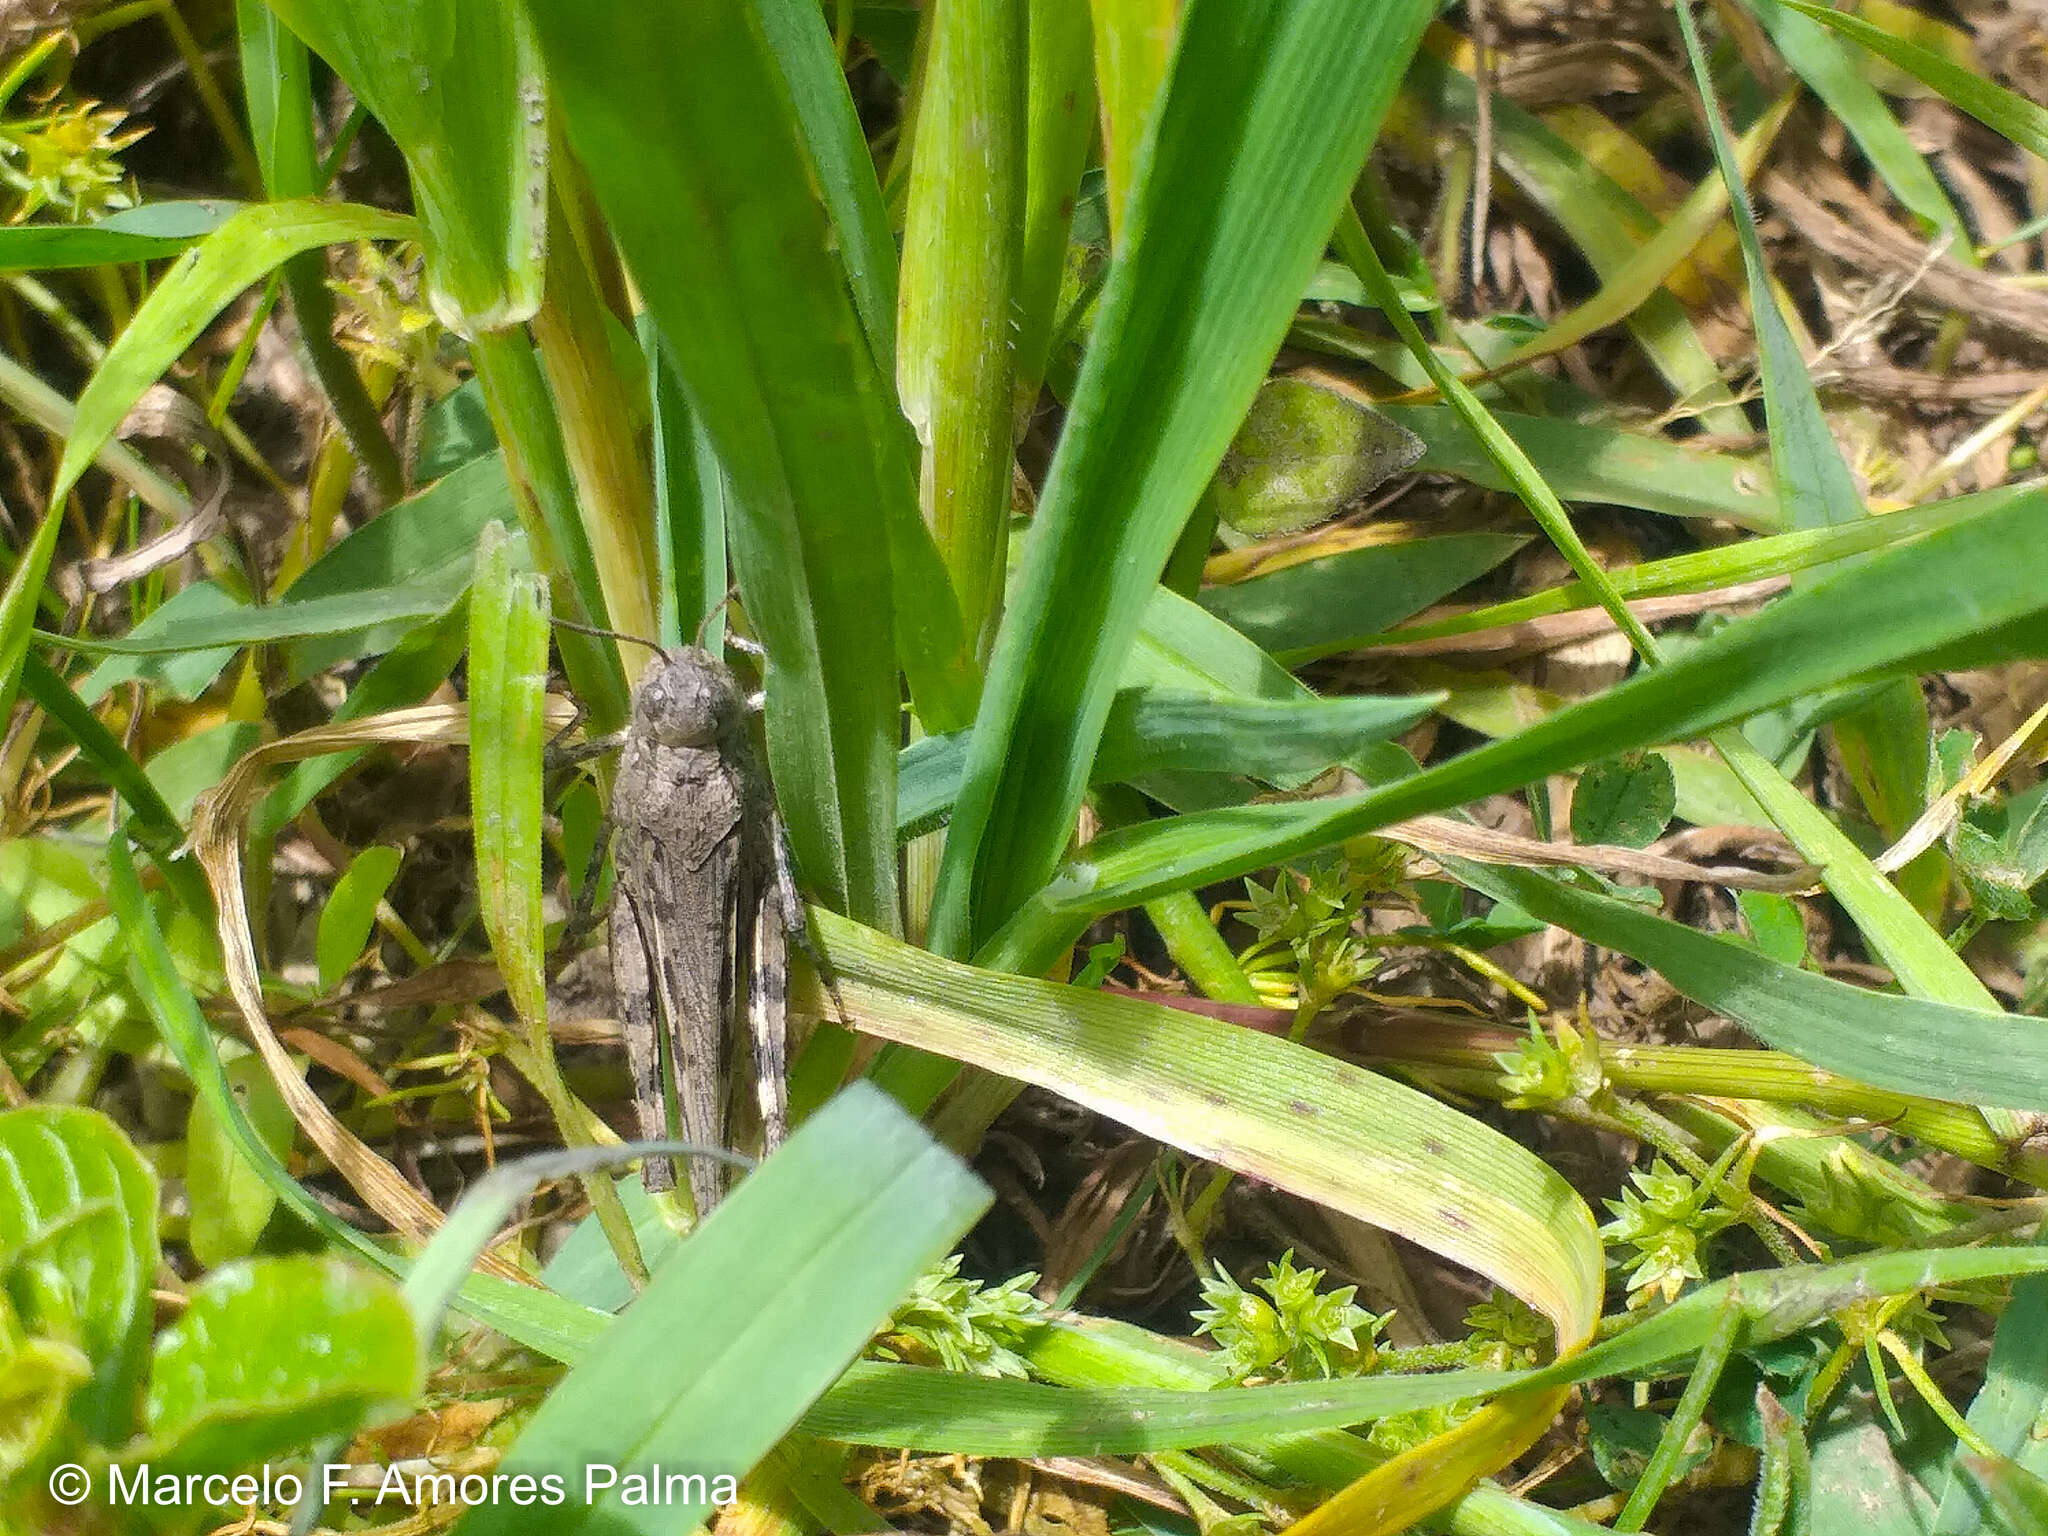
(1816, 488)
(456, 85)
(1279, 102)
(148, 233)
(1059, 126)
(508, 664)
(184, 1031)
(254, 242)
(277, 79)
(1708, 569)
(508, 667)
(709, 194)
(962, 246)
(846, 170)
(1828, 70)
(2000, 110)
(248, 245)
(1266, 1107)
(1885, 612)
(1814, 485)
(750, 1320)
(1602, 219)
(690, 508)
(2010, 1402)
(1155, 730)
(543, 486)
(1320, 607)
(154, 824)
(343, 614)
(1907, 1044)
(1133, 51)
(1584, 461)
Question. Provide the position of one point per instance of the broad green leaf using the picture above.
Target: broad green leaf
(1264, 121)
(78, 1249)
(231, 1200)
(1626, 800)
(270, 1355)
(1319, 607)
(1775, 925)
(37, 1378)
(1860, 1481)
(424, 544)
(179, 671)
(455, 84)
(1584, 461)
(1160, 730)
(747, 1322)
(711, 197)
(187, 769)
(350, 914)
(2019, 1493)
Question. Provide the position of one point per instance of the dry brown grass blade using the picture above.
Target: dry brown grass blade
(219, 821)
(1458, 839)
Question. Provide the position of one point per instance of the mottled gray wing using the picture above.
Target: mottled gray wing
(679, 885)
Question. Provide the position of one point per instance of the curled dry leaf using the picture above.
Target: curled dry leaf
(165, 420)
(219, 821)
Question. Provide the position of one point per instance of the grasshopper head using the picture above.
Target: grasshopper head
(687, 699)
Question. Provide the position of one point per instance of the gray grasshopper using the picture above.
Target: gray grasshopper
(701, 921)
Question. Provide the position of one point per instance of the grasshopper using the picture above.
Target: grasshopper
(702, 917)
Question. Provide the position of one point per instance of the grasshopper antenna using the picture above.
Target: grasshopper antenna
(738, 643)
(607, 634)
